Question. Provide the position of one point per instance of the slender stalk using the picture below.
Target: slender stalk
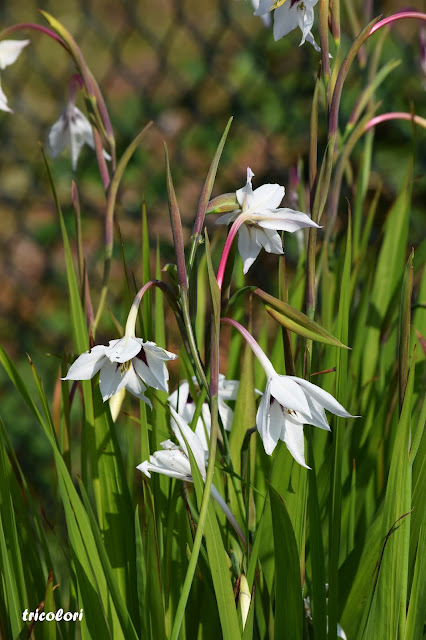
(403, 15)
(35, 27)
(227, 248)
(199, 371)
(335, 22)
(323, 34)
(214, 385)
(395, 115)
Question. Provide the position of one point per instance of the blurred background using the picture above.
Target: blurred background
(188, 65)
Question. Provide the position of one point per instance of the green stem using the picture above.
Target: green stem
(214, 383)
(199, 371)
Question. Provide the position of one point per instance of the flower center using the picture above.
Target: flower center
(125, 366)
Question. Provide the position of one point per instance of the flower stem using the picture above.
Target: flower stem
(254, 345)
(395, 115)
(397, 16)
(226, 249)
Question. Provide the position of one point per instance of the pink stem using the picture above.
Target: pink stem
(397, 16)
(35, 27)
(254, 345)
(226, 249)
(395, 115)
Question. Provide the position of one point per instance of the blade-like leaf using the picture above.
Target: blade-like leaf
(288, 589)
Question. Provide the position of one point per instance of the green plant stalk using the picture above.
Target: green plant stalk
(214, 378)
(341, 164)
(335, 23)
(323, 33)
(199, 371)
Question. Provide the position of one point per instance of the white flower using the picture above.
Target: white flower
(287, 404)
(173, 461)
(182, 402)
(9, 52)
(72, 129)
(127, 363)
(262, 220)
(289, 14)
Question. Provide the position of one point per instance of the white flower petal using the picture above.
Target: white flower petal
(268, 196)
(245, 194)
(286, 220)
(285, 19)
(324, 398)
(172, 463)
(181, 431)
(270, 241)
(294, 440)
(286, 390)
(123, 349)
(226, 414)
(111, 379)
(310, 38)
(264, 6)
(247, 246)
(176, 461)
(263, 420)
(135, 385)
(3, 102)
(228, 389)
(88, 364)
(317, 415)
(72, 129)
(10, 51)
(58, 136)
(179, 397)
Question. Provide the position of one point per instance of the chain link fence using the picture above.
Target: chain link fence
(186, 64)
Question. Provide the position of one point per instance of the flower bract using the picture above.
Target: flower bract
(262, 219)
(127, 363)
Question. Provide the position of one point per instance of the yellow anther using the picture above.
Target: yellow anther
(125, 367)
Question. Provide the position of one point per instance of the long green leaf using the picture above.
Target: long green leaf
(288, 589)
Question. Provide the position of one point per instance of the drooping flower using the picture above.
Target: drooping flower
(260, 218)
(173, 461)
(289, 14)
(72, 130)
(182, 402)
(9, 52)
(287, 404)
(128, 362)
